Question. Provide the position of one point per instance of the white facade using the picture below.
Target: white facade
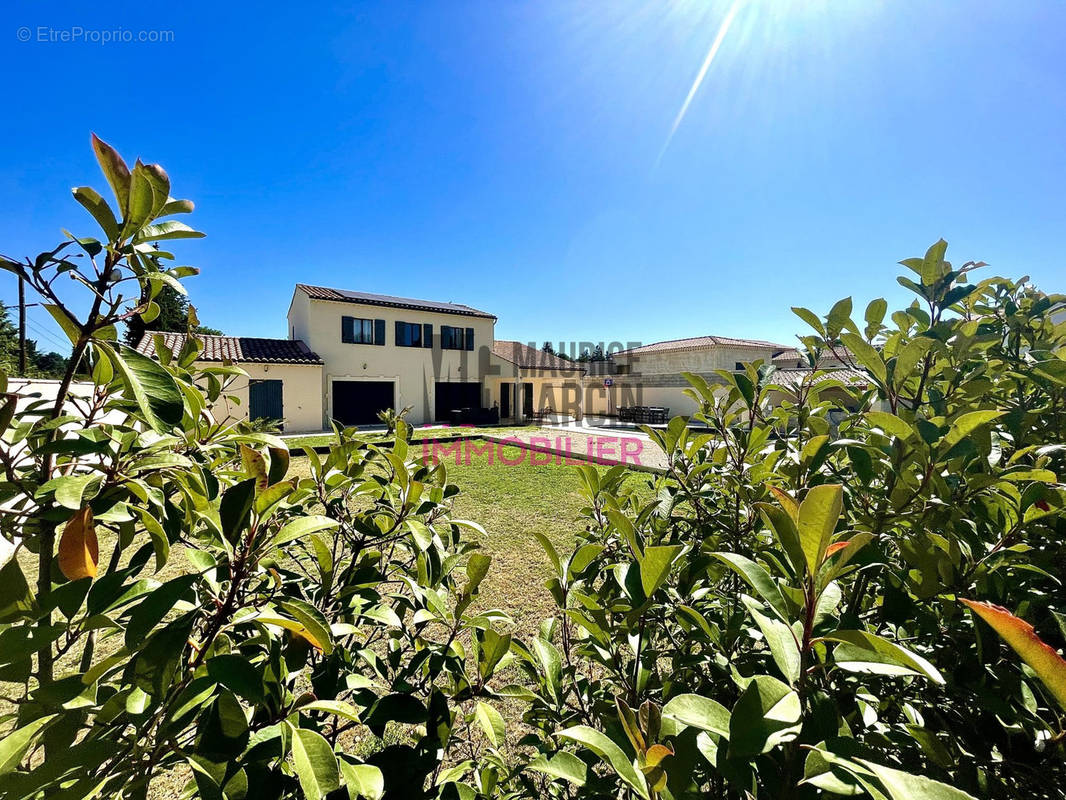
(412, 375)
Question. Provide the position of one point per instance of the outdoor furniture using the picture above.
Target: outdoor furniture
(644, 415)
(473, 416)
(538, 417)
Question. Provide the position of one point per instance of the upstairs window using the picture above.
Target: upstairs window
(456, 338)
(355, 330)
(411, 334)
(738, 366)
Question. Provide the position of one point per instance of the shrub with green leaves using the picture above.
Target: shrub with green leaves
(839, 586)
(783, 619)
(182, 609)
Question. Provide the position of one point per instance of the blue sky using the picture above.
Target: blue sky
(516, 156)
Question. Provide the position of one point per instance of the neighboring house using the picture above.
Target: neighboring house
(284, 377)
(393, 352)
(527, 379)
(651, 375)
(702, 354)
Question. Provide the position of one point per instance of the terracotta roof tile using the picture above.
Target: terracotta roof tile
(702, 342)
(365, 298)
(237, 348)
(527, 357)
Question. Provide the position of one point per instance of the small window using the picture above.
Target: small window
(357, 331)
(738, 366)
(456, 338)
(408, 334)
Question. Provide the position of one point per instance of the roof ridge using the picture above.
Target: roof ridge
(249, 349)
(390, 300)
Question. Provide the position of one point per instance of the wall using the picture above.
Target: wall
(560, 391)
(706, 359)
(301, 394)
(413, 370)
(640, 390)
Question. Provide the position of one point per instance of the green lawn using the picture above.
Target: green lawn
(419, 434)
(510, 503)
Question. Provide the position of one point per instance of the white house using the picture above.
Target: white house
(284, 377)
(350, 355)
(380, 352)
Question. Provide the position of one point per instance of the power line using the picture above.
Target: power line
(46, 334)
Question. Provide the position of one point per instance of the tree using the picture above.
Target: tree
(38, 364)
(49, 365)
(9, 343)
(173, 315)
(548, 348)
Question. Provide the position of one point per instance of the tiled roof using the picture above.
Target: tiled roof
(701, 343)
(527, 357)
(790, 355)
(793, 377)
(365, 298)
(237, 348)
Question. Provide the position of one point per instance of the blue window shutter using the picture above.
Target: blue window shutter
(379, 331)
(427, 335)
(347, 329)
(469, 338)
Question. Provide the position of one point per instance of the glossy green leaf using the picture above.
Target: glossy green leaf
(98, 207)
(818, 516)
(904, 786)
(562, 765)
(759, 580)
(655, 566)
(698, 712)
(311, 619)
(606, 749)
(15, 744)
(16, 598)
(766, 716)
(363, 780)
(154, 607)
(491, 722)
(302, 526)
(150, 386)
(860, 651)
(316, 764)
(779, 638)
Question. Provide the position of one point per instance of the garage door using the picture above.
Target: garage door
(358, 402)
(451, 396)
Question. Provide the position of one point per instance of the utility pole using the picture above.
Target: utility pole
(22, 327)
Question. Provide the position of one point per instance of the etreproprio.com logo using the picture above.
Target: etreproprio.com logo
(76, 34)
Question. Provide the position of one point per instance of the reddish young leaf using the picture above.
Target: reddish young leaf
(835, 547)
(1035, 652)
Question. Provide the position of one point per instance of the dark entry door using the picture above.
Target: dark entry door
(450, 396)
(527, 398)
(506, 390)
(358, 402)
(265, 400)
